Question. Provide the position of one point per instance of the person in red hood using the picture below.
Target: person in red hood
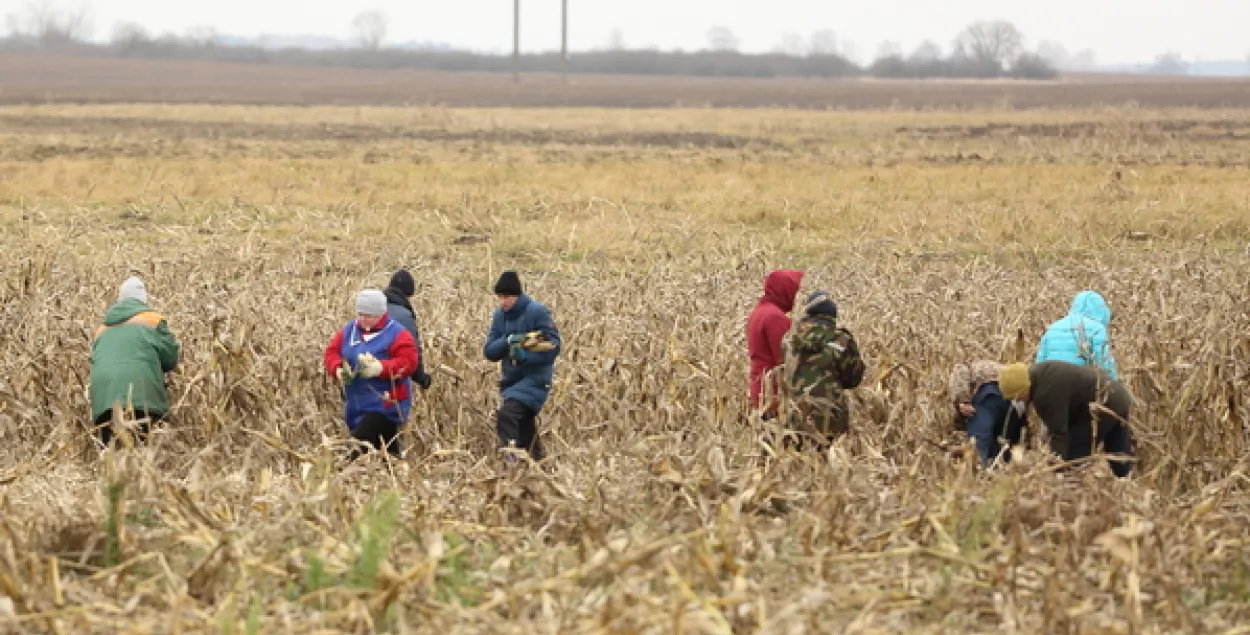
(766, 328)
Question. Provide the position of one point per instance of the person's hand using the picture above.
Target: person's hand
(518, 354)
(966, 409)
(423, 380)
(516, 338)
(344, 372)
(369, 366)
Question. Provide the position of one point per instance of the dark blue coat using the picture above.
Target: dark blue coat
(530, 381)
(400, 310)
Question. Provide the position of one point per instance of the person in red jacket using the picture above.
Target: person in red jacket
(766, 328)
(373, 357)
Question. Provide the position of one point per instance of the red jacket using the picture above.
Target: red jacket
(402, 356)
(767, 327)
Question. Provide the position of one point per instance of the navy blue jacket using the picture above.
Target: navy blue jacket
(400, 310)
(530, 381)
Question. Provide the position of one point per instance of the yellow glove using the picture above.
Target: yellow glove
(368, 365)
(537, 342)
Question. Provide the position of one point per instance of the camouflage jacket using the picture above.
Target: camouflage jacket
(824, 358)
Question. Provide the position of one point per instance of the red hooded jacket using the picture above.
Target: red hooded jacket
(767, 327)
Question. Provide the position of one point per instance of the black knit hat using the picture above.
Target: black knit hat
(402, 282)
(509, 284)
(820, 303)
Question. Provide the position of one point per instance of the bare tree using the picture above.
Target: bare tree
(888, 49)
(1170, 63)
(720, 38)
(823, 42)
(1084, 60)
(370, 28)
(927, 52)
(202, 36)
(51, 25)
(616, 40)
(1055, 53)
(792, 44)
(130, 37)
(989, 43)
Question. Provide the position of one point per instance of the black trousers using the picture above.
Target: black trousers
(379, 432)
(516, 423)
(142, 428)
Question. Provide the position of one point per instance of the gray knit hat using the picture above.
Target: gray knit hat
(133, 289)
(371, 302)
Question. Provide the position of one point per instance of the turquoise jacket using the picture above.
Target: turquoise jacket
(1081, 336)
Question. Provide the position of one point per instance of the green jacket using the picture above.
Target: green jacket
(129, 356)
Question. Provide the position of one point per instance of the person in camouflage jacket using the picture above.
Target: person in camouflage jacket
(825, 363)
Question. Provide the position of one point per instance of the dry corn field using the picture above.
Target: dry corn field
(944, 237)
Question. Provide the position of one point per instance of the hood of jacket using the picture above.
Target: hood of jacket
(396, 296)
(781, 287)
(123, 310)
(1091, 305)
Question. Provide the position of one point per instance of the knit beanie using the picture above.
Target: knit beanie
(133, 289)
(1013, 381)
(820, 303)
(402, 281)
(371, 302)
(509, 284)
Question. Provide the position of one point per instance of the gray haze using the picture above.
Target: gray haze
(1118, 30)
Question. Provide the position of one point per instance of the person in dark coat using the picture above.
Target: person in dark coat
(399, 307)
(1077, 404)
(524, 339)
(986, 414)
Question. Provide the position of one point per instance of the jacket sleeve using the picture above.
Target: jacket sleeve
(1102, 355)
(541, 320)
(1043, 348)
(167, 347)
(1016, 423)
(403, 357)
(332, 357)
(852, 370)
(496, 343)
(416, 338)
(775, 330)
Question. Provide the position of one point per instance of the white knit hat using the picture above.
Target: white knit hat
(371, 302)
(133, 289)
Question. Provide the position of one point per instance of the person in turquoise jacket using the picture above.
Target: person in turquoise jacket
(1080, 337)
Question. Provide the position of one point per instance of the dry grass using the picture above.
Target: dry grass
(663, 513)
(50, 79)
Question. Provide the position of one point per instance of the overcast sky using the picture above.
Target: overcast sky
(1118, 30)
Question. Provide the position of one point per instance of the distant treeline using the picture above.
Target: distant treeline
(709, 63)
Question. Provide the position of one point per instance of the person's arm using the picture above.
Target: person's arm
(403, 357)
(852, 364)
(167, 347)
(332, 357)
(1017, 421)
(496, 343)
(547, 326)
(1103, 355)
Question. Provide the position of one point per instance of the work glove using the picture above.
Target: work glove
(344, 373)
(516, 338)
(423, 380)
(537, 342)
(518, 354)
(368, 365)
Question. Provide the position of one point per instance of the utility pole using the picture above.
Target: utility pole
(564, 37)
(516, 41)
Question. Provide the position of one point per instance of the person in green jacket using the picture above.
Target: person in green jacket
(132, 350)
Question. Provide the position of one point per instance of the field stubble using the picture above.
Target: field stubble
(662, 513)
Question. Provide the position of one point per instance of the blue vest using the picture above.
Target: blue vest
(363, 395)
